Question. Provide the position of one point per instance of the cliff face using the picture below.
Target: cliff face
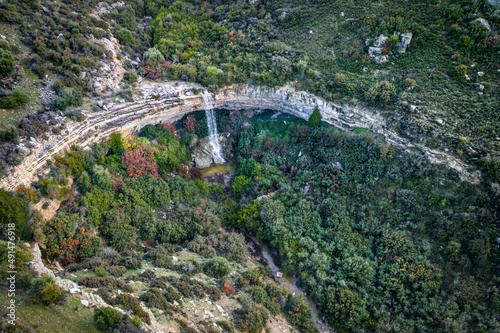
(169, 101)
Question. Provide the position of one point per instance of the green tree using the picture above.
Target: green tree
(102, 177)
(342, 308)
(212, 75)
(218, 267)
(315, 117)
(66, 98)
(154, 55)
(125, 37)
(116, 143)
(358, 269)
(13, 212)
(17, 99)
(253, 318)
(106, 318)
(83, 182)
(6, 62)
(240, 185)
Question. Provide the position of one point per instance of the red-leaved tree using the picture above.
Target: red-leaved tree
(190, 125)
(140, 162)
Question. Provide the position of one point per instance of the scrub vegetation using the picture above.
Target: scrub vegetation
(372, 233)
(380, 239)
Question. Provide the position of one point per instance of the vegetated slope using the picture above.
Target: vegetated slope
(320, 45)
(381, 240)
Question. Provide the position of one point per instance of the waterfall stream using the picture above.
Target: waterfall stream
(217, 153)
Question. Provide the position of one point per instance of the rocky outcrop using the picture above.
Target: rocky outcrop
(169, 101)
(204, 156)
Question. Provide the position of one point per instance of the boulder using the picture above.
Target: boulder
(85, 302)
(75, 290)
(404, 41)
(23, 150)
(218, 159)
(381, 40)
(203, 161)
(61, 38)
(484, 23)
(374, 51)
(381, 59)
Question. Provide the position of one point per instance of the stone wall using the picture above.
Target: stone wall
(169, 101)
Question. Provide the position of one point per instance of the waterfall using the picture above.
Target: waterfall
(212, 129)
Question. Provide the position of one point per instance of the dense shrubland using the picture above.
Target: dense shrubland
(380, 239)
(373, 234)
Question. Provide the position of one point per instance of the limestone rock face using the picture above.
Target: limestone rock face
(381, 59)
(404, 41)
(374, 51)
(381, 40)
(173, 100)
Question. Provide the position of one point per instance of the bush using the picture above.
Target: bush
(14, 101)
(227, 288)
(315, 118)
(381, 92)
(6, 62)
(117, 271)
(131, 77)
(66, 98)
(100, 271)
(491, 167)
(160, 257)
(253, 318)
(154, 55)
(9, 133)
(464, 42)
(46, 290)
(106, 318)
(108, 282)
(340, 80)
(393, 40)
(460, 70)
(125, 37)
(16, 328)
(231, 245)
(75, 115)
(410, 83)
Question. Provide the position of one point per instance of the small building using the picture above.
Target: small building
(279, 275)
